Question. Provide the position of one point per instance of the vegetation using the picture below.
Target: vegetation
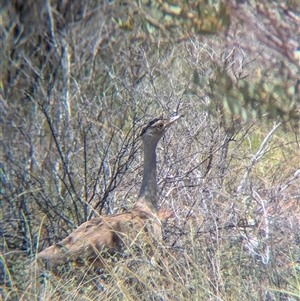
(77, 82)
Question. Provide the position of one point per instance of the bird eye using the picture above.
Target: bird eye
(160, 126)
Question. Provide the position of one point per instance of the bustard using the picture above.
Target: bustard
(113, 234)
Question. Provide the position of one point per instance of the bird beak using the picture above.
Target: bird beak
(172, 120)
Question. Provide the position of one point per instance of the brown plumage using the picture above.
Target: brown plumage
(105, 236)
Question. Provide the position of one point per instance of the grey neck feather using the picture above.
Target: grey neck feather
(148, 191)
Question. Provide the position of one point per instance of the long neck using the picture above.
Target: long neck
(148, 191)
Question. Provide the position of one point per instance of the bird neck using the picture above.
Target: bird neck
(148, 191)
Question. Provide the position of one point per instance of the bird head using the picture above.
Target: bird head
(156, 128)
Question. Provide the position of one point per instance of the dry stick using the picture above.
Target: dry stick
(265, 258)
(194, 203)
(261, 152)
(291, 181)
(64, 162)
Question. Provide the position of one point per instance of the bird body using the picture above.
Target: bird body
(112, 234)
(95, 239)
